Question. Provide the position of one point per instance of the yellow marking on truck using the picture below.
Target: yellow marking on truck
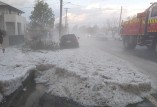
(152, 21)
(149, 21)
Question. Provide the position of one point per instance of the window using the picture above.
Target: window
(154, 12)
(10, 28)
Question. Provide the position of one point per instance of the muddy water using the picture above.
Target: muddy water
(40, 99)
(36, 97)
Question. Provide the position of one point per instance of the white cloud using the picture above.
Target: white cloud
(74, 18)
(95, 12)
(18, 3)
(92, 6)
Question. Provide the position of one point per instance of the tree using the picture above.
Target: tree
(112, 26)
(92, 30)
(83, 29)
(62, 27)
(42, 16)
(42, 22)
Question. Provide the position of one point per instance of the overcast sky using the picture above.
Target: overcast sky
(91, 12)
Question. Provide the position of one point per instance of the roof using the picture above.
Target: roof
(2, 4)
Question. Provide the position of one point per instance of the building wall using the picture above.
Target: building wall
(6, 41)
(4, 11)
(14, 24)
(18, 20)
(15, 27)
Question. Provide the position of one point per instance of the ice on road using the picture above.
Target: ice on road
(86, 75)
(14, 69)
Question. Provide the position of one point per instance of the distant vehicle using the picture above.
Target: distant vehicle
(118, 37)
(141, 30)
(103, 36)
(69, 41)
(88, 35)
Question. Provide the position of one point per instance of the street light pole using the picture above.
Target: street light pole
(66, 19)
(120, 18)
(60, 21)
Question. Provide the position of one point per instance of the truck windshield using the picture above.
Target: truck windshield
(154, 12)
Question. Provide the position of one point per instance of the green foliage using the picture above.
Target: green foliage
(42, 16)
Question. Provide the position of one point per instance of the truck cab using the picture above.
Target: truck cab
(152, 19)
(141, 30)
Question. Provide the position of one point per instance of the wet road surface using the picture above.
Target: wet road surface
(142, 58)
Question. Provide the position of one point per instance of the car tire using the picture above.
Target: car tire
(76, 45)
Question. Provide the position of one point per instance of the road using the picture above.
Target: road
(141, 57)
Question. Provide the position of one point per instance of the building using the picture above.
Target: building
(13, 23)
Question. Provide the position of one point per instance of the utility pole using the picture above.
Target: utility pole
(120, 18)
(60, 20)
(66, 18)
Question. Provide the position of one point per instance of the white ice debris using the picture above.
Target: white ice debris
(92, 77)
(86, 75)
(86, 90)
(14, 68)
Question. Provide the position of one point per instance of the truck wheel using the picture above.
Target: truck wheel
(153, 47)
(129, 42)
(125, 42)
(156, 48)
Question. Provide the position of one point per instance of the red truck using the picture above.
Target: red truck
(141, 30)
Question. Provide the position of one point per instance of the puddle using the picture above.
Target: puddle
(38, 98)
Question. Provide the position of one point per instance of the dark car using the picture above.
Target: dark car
(69, 41)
